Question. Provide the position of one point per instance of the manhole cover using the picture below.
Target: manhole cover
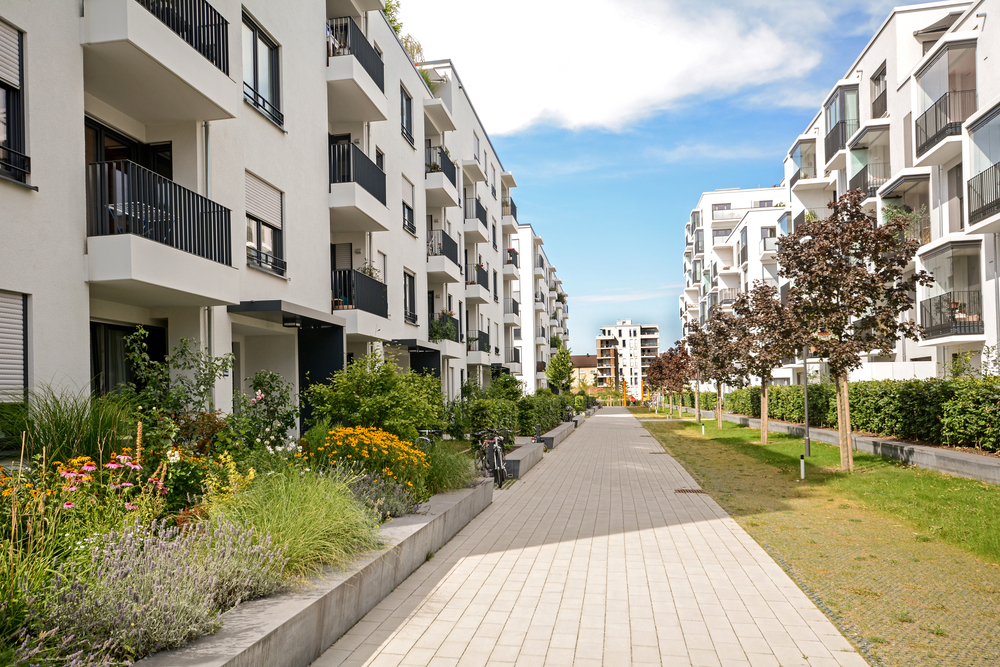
(688, 491)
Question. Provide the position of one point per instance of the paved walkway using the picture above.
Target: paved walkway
(593, 559)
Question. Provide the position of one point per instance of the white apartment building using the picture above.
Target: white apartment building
(915, 123)
(624, 352)
(544, 311)
(275, 180)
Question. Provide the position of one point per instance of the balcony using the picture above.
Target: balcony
(442, 258)
(919, 230)
(509, 214)
(870, 178)
(511, 312)
(836, 141)
(728, 296)
(477, 284)
(153, 243)
(768, 247)
(943, 119)
(353, 290)
(357, 191)
(541, 336)
(512, 357)
(159, 62)
(473, 171)
(475, 227)
(440, 179)
(952, 314)
(511, 263)
(447, 332)
(355, 75)
(539, 271)
(984, 195)
(478, 346)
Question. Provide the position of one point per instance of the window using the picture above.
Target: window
(264, 225)
(14, 163)
(409, 298)
(496, 296)
(878, 93)
(408, 223)
(379, 158)
(14, 342)
(494, 235)
(406, 114)
(475, 146)
(260, 71)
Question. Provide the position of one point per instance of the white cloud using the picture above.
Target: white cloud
(624, 295)
(700, 152)
(609, 63)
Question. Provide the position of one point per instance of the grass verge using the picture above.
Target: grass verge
(650, 413)
(903, 559)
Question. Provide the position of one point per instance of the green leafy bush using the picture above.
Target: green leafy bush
(492, 413)
(971, 416)
(372, 392)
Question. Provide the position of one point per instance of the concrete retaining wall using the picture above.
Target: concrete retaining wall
(292, 629)
(523, 459)
(558, 434)
(961, 464)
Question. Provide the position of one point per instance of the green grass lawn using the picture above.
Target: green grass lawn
(651, 413)
(904, 560)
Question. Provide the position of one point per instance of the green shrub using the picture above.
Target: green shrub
(543, 408)
(316, 520)
(971, 416)
(449, 467)
(492, 413)
(371, 392)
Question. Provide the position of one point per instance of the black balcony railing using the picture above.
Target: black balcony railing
(541, 333)
(511, 307)
(798, 221)
(512, 355)
(17, 165)
(984, 194)
(436, 159)
(509, 208)
(539, 366)
(474, 209)
(408, 223)
(880, 105)
(477, 275)
(944, 118)
(440, 244)
(836, 139)
(478, 341)
(512, 257)
(539, 262)
(197, 23)
(354, 290)
(345, 38)
(125, 198)
(870, 178)
(266, 261)
(952, 314)
(449, 327)
(349, 164)
(409, 316)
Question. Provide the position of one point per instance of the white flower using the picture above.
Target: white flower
(173, 456)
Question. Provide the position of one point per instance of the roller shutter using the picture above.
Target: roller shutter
(263, 201)
(13, 345)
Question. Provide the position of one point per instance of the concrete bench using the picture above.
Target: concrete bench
(558, 434)
(524, 458)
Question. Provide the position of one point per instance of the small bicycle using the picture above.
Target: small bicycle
(491, 459)
(427, 438)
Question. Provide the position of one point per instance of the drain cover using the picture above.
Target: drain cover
(688, 491)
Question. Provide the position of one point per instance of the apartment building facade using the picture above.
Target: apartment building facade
(544, 309)
(915, 124)
(624, 352)
(275, 180)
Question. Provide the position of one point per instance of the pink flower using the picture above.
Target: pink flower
(114, 486)
(69, 488)
(112, 465)
(69, 506)
(88, 468)
(134, 466)
(124, 458)
(131, 506)
(69, 474)
(127, 484)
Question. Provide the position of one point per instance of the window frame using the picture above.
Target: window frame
(409, 297)
(14, 139)
(406, 115)
(256, 257)
(271, 108)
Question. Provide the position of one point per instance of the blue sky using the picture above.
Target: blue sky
(614, 115)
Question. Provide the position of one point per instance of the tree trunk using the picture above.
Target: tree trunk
(849, 441)
(763, 411)
(697, 399)
(718, 405)
(840, 423)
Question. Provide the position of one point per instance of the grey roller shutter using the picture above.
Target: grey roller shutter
(263, 201)
(10, 55)
(12, 346)
(342, 256)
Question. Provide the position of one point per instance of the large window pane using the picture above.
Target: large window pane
(986, 146)
(264, 70)
(248, 48)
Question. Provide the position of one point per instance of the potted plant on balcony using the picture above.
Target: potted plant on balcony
(441, 328)
(480, 267)
(432, 167)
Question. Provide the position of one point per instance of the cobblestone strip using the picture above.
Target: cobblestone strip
(593, 559)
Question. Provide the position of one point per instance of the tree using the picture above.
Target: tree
(559, 370)
(678, 366)
(850, 290)
(718, 355)
(767, 332)
(392, 15)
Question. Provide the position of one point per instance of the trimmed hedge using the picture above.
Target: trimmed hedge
(963, 412)
(542, 408)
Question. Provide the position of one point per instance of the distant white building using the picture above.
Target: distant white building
(624, 352)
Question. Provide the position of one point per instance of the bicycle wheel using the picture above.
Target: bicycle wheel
(499, 473)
